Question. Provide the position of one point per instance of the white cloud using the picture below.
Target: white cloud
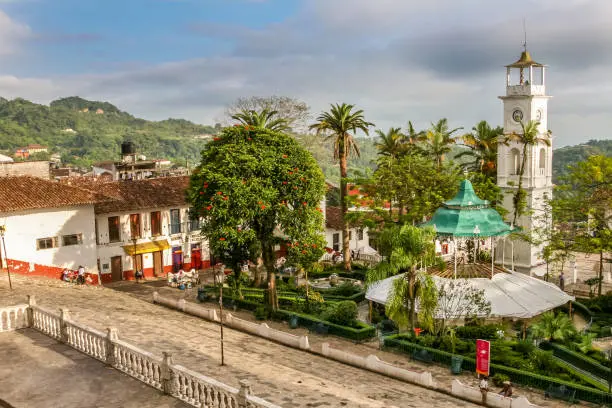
(397, 60)
(12, 34)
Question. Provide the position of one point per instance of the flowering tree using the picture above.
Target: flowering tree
(256, 188)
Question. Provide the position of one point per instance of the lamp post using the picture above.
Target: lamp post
(8, 268)
(476, 232)
(134, 240)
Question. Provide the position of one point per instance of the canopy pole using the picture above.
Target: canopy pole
(504, 254)
(492, 257)
(455, 257)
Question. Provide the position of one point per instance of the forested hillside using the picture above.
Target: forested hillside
(84, 131)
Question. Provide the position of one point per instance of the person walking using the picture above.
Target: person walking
(81, 275)
(484, 388)
(562, 281)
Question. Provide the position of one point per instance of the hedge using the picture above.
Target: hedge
(578, 360)
(517, 376)
(363, 332)
(357, 297)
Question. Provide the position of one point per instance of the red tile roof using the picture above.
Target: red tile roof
(123, 196)
(333, 218)
(21, 193)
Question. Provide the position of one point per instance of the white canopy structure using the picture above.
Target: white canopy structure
(511, 294)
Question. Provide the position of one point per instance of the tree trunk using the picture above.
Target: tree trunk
(600, 272)
(267, 251)
(344, 208)
(520, 184)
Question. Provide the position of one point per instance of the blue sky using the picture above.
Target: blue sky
(399, 60)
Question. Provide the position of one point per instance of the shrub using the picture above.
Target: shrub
(499, 378)
(484, 332)
(343, 313)
(261, 313)
(525, 347)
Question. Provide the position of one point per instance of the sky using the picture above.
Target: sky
(398, 60)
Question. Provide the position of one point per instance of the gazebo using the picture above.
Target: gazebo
(511, 294)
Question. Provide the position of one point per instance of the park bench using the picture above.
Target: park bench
(423, 356)
(561, 392)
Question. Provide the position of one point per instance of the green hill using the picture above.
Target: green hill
(569, 155)
(84, 131)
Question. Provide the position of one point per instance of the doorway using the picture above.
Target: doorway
(196, 257)
(138, 260)
(177, 258)
(116, 268)
(158, 263)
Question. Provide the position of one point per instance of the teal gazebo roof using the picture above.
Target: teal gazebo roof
(467, 215)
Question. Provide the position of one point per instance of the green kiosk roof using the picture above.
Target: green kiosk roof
(467, 215)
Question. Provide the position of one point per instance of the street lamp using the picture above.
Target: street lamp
(8, 268)
(476, 232)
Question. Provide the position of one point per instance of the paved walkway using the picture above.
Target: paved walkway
(288, 377)
(39, 372)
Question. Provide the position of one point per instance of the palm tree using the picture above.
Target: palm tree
(483, 142)
(391, 143)
(528, 138)
(404, 249)
(551, 327)
(438, 140)
(339, 123)
(265, 119)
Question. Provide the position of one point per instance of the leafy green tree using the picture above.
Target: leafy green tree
(257, 185)
(264, 119)
(586, 198)
(483, 143)
(295, 112)
(405, 249)
(487, 189)
(428, 303)
(528, 139)
(338, 124)
(553, 327)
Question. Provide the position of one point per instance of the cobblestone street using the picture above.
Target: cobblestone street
(288, 377)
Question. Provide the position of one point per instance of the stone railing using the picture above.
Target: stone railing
(373, 363)
(261, 329)
(160, 373)
(13, 317)
(493, 400)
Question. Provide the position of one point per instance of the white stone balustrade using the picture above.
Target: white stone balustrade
(13, 318)
(160, 373)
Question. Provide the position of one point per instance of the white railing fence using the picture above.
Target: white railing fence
(161, 373)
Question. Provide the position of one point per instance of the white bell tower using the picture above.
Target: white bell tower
(525, 101)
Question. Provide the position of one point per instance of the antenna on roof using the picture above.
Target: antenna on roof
(525, 33)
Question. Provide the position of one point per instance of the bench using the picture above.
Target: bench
(561, 392)
(423, 356)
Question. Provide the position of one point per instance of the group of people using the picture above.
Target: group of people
(484, 388)
(77, 276)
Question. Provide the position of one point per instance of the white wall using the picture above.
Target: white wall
(354, 243)
(24, 228)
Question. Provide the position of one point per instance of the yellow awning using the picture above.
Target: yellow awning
(146, 247)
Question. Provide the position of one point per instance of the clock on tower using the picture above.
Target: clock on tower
(525, 100)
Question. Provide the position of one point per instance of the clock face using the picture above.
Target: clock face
(517, 115)
(539, 114)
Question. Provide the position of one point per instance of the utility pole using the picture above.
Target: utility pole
(8, 268)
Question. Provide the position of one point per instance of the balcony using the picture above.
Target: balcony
(528, 89)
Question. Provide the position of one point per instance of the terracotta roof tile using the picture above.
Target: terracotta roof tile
(333, 218)
(20, 193)
(121, 196)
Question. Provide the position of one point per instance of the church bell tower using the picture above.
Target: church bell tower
(525, 100)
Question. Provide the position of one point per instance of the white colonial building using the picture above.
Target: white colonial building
(47, 227)
(525, 100)
(359, 241)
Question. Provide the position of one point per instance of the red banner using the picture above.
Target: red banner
(483, 357)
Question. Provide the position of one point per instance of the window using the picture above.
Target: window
(194, 220)
(542, 158)
(175, 221)
(156, 223)
(72, 239)
(515, 161)
(336, 241)
(360, 234)
(135, 226)
(46, 243)
(114, 232)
